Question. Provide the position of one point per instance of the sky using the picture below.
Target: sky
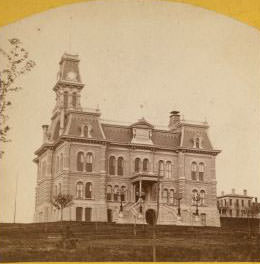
(162, 55)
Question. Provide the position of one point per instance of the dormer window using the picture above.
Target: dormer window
(85, 131)
(197, 142)
(142, 132)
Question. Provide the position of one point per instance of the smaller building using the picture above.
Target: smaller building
(236, 205)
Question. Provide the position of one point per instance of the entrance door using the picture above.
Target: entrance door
(150, 216)
(109, 215)
(79, 211)
(88, 214)
(203, 219)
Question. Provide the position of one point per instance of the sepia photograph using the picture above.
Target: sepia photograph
(130, 131)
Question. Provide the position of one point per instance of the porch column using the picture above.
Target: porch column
(133, 193)
(140, 188)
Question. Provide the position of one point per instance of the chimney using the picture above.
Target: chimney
(255, 199)
(222, 193)
(45, 133)
(174, 119)
(233, 191)
(245, 192)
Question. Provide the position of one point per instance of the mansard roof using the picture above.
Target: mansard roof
(78, 119)
(172, 139)
(190, 132)
(123, 134)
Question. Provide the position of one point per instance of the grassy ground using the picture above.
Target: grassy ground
(109, 242)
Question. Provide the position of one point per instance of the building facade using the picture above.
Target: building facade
(236, 205)
(123, 173)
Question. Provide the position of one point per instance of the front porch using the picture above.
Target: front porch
(146, 202)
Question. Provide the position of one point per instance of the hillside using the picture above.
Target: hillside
(111, 242)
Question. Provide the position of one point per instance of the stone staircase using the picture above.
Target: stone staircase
(131, 213)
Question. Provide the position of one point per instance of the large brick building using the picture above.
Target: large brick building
(114, 171)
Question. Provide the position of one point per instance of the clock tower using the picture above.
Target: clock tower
(67, 88)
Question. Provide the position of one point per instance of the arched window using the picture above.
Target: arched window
(66, 99)
(168, 171)
(112, 165)
(120, 166)
(201, 171)
(44, 169)
(109, 193)
(116, 193)
(172, 200)
(88, 190)
(194, 195)
(80, 161)
(57, 163)
(161, 168)
(123, 194)
(137, 165)
(202, 197)
(194, 171)
(79, 190)
(165, 195)
(61, 161)
(89, 162)
(145, 165)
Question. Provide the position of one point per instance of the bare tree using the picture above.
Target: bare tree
(15, 62)
(62, 201)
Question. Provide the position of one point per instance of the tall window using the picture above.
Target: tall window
(44, 169)
(88, 190)
(56, 190)
(79, 190)
(145, 165)
(109, 193)
(197, 142)
(80, 161)
(172, 200)
(59, 188)
(123, 194)
(120, 166)
(74, 99)
(57, 164)
(112, 165)
(161, 168)
(66, 99)
(89, 162)
(201, 171)
(116, 193)
(137, 165)
(194, 195)
(194, 171)
(165, 195)
(85, 131)
(61, 161)
(168, 172)
(202, 197)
